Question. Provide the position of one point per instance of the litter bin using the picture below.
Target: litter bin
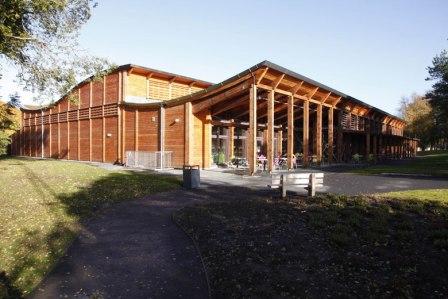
(191, 176)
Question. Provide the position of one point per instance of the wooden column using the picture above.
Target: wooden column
(367, 128)
(59, 134)
(119, 127)
(375, 146)
(290, 137)
(319, 134)
(49, 136)
(189, 133)
(340, 138)
(207, 146)
(162, 135)
(104, 122)
(330, 135)
(252, 138)
(136, 130)
(380, 145)
(280, 143)
(231, 142)
(270, 132)
(306, 132)
(123, 135)
(90, 119)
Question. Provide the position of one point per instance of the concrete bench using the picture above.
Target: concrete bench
(309, 181)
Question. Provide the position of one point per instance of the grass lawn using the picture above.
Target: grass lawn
(42, 203)
(429, 163)
(388, 245)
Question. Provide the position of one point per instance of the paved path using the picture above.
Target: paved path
(134, 250)
(336, 182)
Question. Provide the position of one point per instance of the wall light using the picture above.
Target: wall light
(176, 120)
(109, 134)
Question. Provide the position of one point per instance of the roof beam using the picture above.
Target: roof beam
(208, 103)
(259, 106)
(267, 87)
(277, 81)
(326, 97)
(228, 106)
(263, 73)
(296, 88)
(311, 94)
(337, 101)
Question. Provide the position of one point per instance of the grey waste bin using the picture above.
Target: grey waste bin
(191, 176)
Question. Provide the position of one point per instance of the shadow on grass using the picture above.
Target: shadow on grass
(40, 250)
(328, 246)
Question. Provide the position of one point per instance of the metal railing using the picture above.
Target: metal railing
(149, 160)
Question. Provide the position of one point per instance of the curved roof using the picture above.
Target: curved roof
(128, 67)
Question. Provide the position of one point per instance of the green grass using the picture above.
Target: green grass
(42, 203)
(428, 163)
(384, 245)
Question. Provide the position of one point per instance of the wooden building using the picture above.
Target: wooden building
(265, 108)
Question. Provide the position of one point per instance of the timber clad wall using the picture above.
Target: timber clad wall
(100, 126)
(174, 133)
(74, 131)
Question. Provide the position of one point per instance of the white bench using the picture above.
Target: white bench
(310, 181)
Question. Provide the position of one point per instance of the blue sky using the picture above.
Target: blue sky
(376, 51)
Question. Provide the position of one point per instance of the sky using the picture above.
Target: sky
(376, 51)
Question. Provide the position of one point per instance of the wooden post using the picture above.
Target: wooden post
(270, 131)
(380, 145)
(59, 134)
(280, 143)
(104, 122)
(119, 127)
(231, 142)
(49, 137)
(90, 119)
(306, 132)
(207, 146)
(162, 136)
(189, 133)
(252, 140)
(290, 139)
(136, 130)
(367, 129)
(319, 134)
(340, 137)
(330, 135)
(123, 135)
(375, 146)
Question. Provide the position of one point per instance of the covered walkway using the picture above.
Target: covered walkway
(270, 113)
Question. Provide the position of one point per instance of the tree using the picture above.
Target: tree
(9, 122)
(418, 113)
(40, 38)
(438, 96)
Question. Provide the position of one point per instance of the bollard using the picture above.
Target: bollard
(312, 185)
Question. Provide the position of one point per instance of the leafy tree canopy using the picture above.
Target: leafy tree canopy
(438, 96)
(418, 114)
(40, 38)
(9, 121)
